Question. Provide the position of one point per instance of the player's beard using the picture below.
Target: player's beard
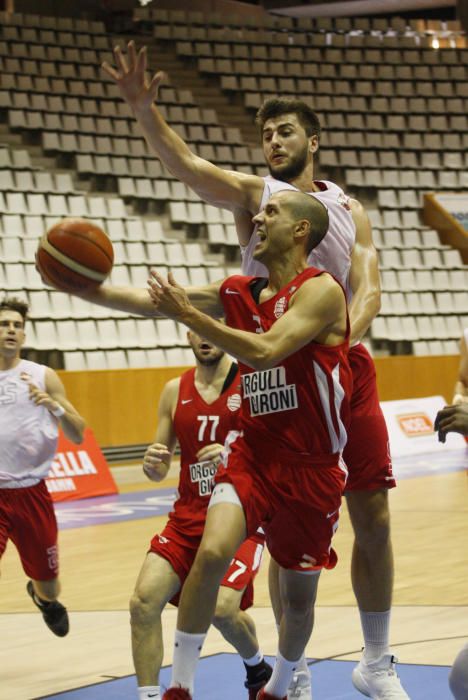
(290, 170)
(210, 360)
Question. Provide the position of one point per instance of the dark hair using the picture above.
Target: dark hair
(14, 304)
(306, 206)
(276, 106)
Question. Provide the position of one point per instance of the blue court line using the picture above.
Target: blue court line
(112, 509)
(148, 504)
(221, 677)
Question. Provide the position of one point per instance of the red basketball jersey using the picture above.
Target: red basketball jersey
(197, 424)
(300, 408)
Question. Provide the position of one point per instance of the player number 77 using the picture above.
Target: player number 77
(203, 423)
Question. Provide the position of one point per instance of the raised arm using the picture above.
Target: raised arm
(216, 186)
(317, 312)
(364, 276)
(157, 459)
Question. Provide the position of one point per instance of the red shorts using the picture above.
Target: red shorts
(27, 518)
(297, 504)
(180, 551)
(367, 452)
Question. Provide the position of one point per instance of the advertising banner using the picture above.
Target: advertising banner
(79, 471)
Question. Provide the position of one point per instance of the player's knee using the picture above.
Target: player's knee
(371, 520)
(143, 610)
(298, 608)
(212, 559)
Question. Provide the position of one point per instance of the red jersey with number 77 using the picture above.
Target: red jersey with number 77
(298, 410)
(196, 424)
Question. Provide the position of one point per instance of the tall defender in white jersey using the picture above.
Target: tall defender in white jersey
(32, 404)
(290, 133)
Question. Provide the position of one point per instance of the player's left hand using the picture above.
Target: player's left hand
(452, 419)
(210, 453)
(168, 297)
(39, 397)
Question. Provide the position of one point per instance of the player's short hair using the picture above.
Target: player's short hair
(276, 106)
(15, 304)
(305, 206)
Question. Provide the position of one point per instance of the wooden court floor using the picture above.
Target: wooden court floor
(99, 565)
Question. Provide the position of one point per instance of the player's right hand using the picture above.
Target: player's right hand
(130, 76)
(156, 461)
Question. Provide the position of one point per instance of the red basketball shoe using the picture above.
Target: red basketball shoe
(176, 694)
(265, 696)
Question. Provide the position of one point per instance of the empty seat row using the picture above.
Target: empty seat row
(60, 205)
(105, 334)
(232, 81)
(240, 58)
(68, 24)
(119, 229)
(412, 328)
(53, 37)
(42, 52)
(397, 140)
(424, 279)
(35, 181)
(99, 89)
(406, 238)
(401, 159)
(198, 213)
(414, 258)
(73, 106)
(426, 303)
(407, 179)
(124, 359)
(435, 347)
(24, 276)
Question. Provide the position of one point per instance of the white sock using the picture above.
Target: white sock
(375, 629)
(302, 665)
(281, 677)
(187, 648)
(254, 660)
(146, 692)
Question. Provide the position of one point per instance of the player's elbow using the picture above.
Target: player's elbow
(76, 433)
(264, 358)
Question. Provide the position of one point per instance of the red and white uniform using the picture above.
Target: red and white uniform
(285, 464)
(368, 460)
(28, 442)
(196, 424)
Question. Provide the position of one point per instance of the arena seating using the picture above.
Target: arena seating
(395, 115)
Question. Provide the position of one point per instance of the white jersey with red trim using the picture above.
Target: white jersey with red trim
(334, 252)
(28, 433)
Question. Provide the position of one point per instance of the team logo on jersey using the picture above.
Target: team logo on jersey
(234, 402)
(415, 424)
(268, 391)
(202, 473)
(343, 199)
(280, 307)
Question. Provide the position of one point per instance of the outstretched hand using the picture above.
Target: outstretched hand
(136, 88)
(452, 419)
(169, 298)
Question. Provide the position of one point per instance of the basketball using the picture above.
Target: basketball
(75, 255)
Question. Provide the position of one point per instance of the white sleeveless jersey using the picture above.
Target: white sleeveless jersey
(334, 252)
(28, 433)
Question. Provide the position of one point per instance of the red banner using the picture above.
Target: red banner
(79, 471)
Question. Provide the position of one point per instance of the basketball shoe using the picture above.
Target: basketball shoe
(257, 677)
(176, 694)
(378, 679)
(54, 613)
(300, 687)
(265, 696)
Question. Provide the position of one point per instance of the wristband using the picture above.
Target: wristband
(59, 412)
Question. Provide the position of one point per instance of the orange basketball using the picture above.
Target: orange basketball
(75, 255)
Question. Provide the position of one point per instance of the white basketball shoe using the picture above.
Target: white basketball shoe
(300, 687)
(378, 679)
